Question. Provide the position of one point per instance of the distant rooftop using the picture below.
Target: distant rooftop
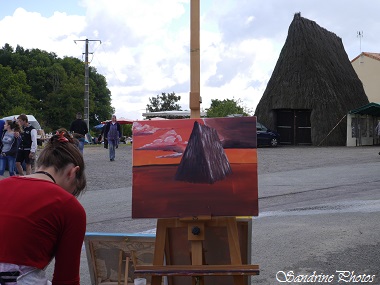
(368, 54)
(170, 114)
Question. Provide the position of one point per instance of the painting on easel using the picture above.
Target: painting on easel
(193, 167)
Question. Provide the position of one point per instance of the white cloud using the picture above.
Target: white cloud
(145, 44)
(31, 30)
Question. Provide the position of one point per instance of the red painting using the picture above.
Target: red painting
(194, 167)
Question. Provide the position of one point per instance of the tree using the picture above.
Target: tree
(226, 107)
(36, 82)
(14, 91)
(100, 98)
(164, 102)
(127, 130)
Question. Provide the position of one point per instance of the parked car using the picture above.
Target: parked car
(31, 119)
(266, 136)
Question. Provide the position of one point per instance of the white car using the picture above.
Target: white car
(33, 121)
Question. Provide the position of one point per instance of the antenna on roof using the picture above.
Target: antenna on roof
(360, 35)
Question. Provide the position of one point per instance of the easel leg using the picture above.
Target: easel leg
(159, 249)
(197, 259)
(234, 245)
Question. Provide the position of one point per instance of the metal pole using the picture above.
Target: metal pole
(195, 98)
(86, 89)
(86, 83)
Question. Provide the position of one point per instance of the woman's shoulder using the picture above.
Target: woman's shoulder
(10, 133)
(65, 201)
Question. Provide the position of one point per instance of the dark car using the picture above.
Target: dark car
(266, 136)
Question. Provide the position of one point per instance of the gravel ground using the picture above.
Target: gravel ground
(104, 174)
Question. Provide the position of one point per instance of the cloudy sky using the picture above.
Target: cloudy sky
(145, 44)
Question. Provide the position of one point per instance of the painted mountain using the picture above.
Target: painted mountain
(204, 160)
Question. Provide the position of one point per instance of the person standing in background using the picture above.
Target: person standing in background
(79, 130)
(112, 131)
(28, 146)
(9, 147)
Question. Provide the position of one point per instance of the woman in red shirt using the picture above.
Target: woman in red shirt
(41, 219)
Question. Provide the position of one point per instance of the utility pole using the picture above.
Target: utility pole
(86, 83)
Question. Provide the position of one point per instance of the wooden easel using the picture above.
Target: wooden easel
(196, 225)
(197, 270)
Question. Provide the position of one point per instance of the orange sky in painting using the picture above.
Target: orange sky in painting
(182, 128)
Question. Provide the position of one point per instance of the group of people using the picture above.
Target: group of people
(18, 142)
(40, 217)
(18, 145)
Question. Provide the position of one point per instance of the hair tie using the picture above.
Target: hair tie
(61, 136)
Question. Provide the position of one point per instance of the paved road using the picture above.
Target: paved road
(319, 211)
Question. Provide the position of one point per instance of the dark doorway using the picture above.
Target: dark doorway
(294, 127)
(285, 126)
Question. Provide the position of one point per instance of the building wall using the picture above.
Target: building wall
(368, 71)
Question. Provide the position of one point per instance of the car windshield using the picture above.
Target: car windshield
(261, 127)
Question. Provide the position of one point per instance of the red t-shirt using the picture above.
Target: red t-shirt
(39, 220)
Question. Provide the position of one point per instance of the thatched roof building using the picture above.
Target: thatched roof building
(312, 88)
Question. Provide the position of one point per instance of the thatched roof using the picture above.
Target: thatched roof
(313, 72)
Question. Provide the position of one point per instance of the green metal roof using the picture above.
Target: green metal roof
(372, 109)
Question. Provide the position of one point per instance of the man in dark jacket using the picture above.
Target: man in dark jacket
(112, 132)
(28, 146)
(79, 130)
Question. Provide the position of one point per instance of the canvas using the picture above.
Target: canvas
(195, 167)
(110, 256)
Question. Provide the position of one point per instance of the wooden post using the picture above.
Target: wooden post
(195, 97)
